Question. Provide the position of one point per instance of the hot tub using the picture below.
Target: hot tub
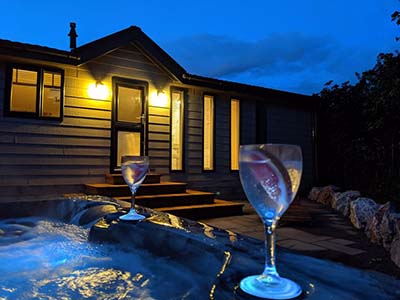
(78, 249)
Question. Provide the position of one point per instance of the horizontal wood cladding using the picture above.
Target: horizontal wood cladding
(58, 156)
(32, 180)
(53, 150)
(22, 170)
(52, 129)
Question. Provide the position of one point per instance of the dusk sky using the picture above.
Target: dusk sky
(289, 45)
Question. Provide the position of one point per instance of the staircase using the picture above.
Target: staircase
(170, 197)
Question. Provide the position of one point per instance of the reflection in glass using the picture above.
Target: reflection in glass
(129, 104)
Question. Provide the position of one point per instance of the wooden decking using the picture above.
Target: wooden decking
(170, 197)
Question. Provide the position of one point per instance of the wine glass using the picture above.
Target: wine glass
(134, 171)
(270, 176)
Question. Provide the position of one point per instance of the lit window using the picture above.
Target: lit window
(51, 99)
(235, 135)
(24, 91)
(35, 92)
(208, 133)
(177, 111)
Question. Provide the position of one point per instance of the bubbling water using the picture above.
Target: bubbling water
(47, 259)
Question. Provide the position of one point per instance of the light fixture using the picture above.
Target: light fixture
(98, 91)
(159, 98)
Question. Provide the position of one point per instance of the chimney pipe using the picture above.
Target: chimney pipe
(72, 36)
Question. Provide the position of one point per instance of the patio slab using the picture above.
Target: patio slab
(328, 236)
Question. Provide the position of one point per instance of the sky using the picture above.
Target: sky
(289, 45)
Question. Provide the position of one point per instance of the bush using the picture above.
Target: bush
(359, 132)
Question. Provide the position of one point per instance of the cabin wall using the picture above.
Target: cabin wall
(287, 125)
(44, 159)
(222, 181)
(48, 158)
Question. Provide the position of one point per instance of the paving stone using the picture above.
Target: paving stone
(300, 235)
(338, 247)
(299, 246)
(342, 242)
(254, 234)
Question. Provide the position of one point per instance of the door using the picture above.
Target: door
(128, 120)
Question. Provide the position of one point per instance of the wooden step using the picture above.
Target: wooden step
(167, 200)
(118, 179)
(219, 208)
(120, 190)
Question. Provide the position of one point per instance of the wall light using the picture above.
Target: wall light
(98, 91)
(159, 98)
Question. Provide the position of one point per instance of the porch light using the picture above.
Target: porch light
(159, 99)
(98, 91)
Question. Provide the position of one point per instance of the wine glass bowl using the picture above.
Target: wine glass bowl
(270, 175)
(134, 170)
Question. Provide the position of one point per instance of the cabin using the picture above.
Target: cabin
(66, 117)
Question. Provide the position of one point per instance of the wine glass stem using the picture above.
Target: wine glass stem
(133, 202)
(270, 268)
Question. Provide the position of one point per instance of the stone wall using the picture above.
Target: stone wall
(380, 222)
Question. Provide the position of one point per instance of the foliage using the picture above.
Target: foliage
(360, 131)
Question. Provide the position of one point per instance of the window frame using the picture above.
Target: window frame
(230, 132)
(183, 91)
(40, 70)
(213, 130)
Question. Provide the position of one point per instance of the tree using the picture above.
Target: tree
(360, 130)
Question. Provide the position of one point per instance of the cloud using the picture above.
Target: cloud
(288, 61)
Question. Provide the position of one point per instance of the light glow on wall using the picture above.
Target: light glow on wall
(159, 98)
(98, 91)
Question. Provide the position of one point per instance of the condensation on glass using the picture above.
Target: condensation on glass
(235, 133)
(24, 91)
(208, 133)
(129, 104)
(51, 99)
(128, 144)
(177, 117)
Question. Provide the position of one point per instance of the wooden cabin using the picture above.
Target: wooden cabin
(66, 117)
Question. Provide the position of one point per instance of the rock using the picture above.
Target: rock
(390, 228)
(395, 251)
(313, 195)
(342, 201)
(361, 210)
(326, 195)
(374, 226)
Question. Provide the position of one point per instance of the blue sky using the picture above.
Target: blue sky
(289, 45)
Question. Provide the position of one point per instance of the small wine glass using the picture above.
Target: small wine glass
(134, 171)
(270, 175)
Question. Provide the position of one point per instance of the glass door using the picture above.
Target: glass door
(128, 121)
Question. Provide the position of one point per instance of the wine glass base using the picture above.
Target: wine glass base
(284, 289)
(132, 216)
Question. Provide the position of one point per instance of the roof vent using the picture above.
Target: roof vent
(72, 35)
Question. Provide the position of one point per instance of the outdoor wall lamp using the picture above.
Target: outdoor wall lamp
(98, 91)
(159, 98)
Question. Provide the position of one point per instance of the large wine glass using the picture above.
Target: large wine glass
(270, 176)
(134, 171)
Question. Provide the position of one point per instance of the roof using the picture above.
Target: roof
(136, 36)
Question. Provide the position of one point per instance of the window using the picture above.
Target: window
(35, 92)
(208, 133)
(177, 117)
(235, 134)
